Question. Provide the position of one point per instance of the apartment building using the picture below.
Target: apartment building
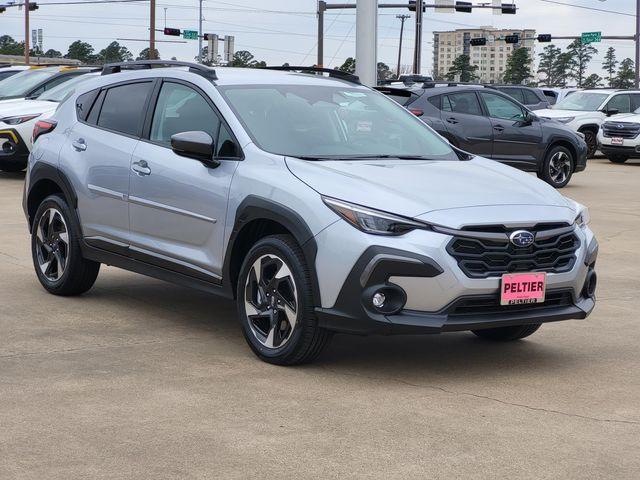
(491, 59)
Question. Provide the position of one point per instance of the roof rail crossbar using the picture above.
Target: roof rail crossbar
(203, 70)
(349, 77)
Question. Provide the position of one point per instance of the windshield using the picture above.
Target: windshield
(582, 101)
(60, 92)
(332, 122)
(20, 84)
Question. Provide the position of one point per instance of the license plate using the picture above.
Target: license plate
(522, 288)
(617, 141)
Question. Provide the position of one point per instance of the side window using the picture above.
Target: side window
(84, 103)
(500, 107)
(92, 118)
(123, 108)
(635, 101)
(515, 93)
(446, 104)
(464, 102)
(226, 146)
(56, 81)
(181, 109)
(435, 101)
(622, 103)
(530, 98)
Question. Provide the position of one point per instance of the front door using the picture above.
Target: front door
(516, 140)
(177, 205)
(463, 118)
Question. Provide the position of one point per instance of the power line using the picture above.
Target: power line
(615, 12)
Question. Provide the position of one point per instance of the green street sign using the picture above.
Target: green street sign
(591, 37)
(190, 34)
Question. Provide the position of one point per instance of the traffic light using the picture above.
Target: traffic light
(174, 32)
(412, 6)
(33, 6)
(463, 7)
(478, 42)
(544, 38)
(2, 9)
(509, 8)
(512, 39)
(207, 36)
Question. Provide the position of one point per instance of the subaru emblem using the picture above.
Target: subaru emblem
(521, 238)
(620, 125)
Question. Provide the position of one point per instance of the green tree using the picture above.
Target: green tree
(581, 53)
(243, 59)
(610, 63)
(384, 72)
(144, 54)
(562, 69)
(82, 51)
(51, 53)
(8, 46)
(518, 69)
(592, 81)
(626, 74)
(114, 52)
(463, 69)
(348, 66)
(548, 59)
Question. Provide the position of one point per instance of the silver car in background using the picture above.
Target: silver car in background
(316, 203)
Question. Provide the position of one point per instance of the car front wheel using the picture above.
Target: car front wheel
(557, 167)
(275, 303)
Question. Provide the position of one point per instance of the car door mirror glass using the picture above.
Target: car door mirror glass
(197, 145)
(610, 111)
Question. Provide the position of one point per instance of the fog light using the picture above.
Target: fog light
(379, 299)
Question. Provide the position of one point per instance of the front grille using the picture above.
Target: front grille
(620, 129)
(490, 304)
(483, 258)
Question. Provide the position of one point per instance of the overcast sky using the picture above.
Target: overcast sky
(280, 31)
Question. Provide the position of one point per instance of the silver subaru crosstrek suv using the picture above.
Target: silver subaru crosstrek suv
(317, 203)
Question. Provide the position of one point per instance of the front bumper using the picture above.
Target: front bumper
(13, 149)
(617, 150)
(422, 282)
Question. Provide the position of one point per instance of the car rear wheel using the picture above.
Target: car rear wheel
(618, 158)
(275, 303)
(55, 247)
(557, 167)
(591, 139)
(507, 334)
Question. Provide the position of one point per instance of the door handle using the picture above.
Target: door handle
(141, 168)
(79, 145)
(452, 120)
(499, 128)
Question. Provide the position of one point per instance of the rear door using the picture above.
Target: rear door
(464, 119)
(99, 147)
(178, 204)
(516, 141)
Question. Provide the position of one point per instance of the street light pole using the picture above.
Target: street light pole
(417, 53)
(200, 34)
(367, 41)
(402, 18)
(637, 43)
(26, 32)
(152, 30)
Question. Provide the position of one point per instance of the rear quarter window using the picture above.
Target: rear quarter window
(84, 103)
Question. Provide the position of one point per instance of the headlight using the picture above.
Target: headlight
(583, 218)
(372, 221)
(17, 120)
(564, 119)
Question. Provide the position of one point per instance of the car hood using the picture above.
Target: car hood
(26, 107)
(416, 187)
(627, 117)
(552, 113)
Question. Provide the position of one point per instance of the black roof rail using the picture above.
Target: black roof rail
(203, 70)
(349, 77)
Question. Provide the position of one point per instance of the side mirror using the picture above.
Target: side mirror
(610, 111)
(528, 119)
(197, 145)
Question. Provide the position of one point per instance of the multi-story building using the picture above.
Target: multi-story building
(491, 58)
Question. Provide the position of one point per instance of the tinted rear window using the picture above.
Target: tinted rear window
(124, 107)
(530, 98)
(514, 93)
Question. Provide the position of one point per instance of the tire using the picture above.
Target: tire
(274, 289)
(55, 238)
(618, 158)
(557, 167)
(507, 334)
(12, 166)
(591, 139)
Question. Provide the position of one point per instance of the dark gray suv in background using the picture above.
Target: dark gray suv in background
(486, 122)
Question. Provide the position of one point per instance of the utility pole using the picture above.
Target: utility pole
(417, 52)
(637, 43)
(367, 41)
(152, 30)
(200, 33)
(26, 32)
(322, 7)
(402, 18)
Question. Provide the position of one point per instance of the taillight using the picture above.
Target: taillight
(41, 127)
(416, 111)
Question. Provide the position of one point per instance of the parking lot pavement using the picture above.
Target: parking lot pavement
(143, 379)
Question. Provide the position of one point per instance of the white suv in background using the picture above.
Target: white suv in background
(619, 137)
(586, 111)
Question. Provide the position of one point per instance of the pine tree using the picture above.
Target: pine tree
(581, 53)
(548, 60)
(626, 74)
(610, 63)
(462, 68)
(592, 81)
(518, 68)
